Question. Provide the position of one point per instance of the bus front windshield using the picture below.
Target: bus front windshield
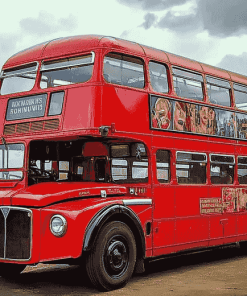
(11, 158)
(87, 161)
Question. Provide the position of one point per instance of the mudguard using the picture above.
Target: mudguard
(104, 215)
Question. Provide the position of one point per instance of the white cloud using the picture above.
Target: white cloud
(47, 23)
(181, 26)
(234, 63)
(152, 5)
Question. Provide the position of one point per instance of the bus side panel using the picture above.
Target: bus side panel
(145, 216)
(191, 227)
(164, 202)
(223, 226)
(241, 150)
(242, 225)
(127, 108)
(80, 108)
(164, 222)
(3, 106)
(69, 245)
(163, 234)
(78, 215)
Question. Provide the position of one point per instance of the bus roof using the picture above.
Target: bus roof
(73, 45)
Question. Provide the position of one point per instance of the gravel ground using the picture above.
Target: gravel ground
(218, 272)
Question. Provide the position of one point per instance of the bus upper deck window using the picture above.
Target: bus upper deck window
(158, 77)
(18, 79)
(67, 71)
(124, 70)
(240, 93)
(218, 91)
(56, 103)
(188, 84)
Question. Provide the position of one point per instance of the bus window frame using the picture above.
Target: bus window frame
(224, 163)
(74, 56)
(169, 168)
(36, 73)
(127, 54)
(2, 76)
(168, 77)
(194, 161)
(66, 66)
(192, 78)
(221, 83)
(237, 87)
(239, 167)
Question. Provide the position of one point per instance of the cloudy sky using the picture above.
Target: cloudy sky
(211, 31)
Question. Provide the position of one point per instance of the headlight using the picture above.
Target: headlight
(58, 225)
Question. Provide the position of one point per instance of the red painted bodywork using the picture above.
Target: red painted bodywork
(177, 223)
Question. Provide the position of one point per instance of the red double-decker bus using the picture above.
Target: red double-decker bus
(113, 152)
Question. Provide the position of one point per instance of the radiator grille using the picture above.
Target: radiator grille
(15, 233)
(37, 126)
(9, 129)
(23, 127)
(51, 124)
(30, 127)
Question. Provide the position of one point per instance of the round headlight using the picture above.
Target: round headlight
(58, 225)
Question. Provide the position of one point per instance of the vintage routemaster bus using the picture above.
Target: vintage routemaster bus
(112, 153)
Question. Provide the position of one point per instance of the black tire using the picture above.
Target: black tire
(9, 270)
(112, 260)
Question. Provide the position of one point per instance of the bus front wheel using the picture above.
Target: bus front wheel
(111, 262)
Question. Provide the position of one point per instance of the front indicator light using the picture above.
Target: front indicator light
(58, 225)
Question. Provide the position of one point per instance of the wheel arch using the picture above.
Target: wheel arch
(115, 213)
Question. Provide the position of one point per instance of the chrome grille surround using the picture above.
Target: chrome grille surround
(14, 223)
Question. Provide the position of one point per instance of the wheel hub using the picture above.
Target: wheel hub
(116, 258)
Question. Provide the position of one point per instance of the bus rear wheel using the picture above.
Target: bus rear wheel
(111, 262)
(9, 270)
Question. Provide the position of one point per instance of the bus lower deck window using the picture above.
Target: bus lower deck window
(191, 168)
(129, 163)
(163, 166)
(222, 169)
(242, 170)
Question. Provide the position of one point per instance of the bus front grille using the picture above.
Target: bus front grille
(15, 233)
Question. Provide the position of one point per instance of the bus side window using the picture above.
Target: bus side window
(66, 71)
(242, 170)
(188, 84)
(163, 166)
(63, 170)
(119, 169)
(191, 168)
(124, 70)
(218, 91)
(222, 169)
(158, 77)
(240, 94)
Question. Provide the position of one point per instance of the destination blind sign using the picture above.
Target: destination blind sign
(26, 107)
